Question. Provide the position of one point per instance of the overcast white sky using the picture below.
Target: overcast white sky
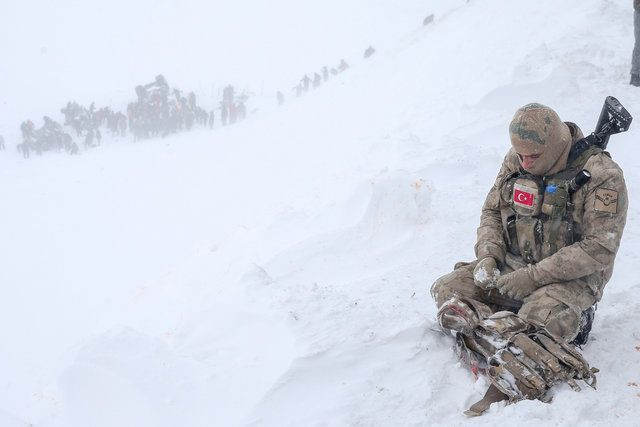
(54, 51)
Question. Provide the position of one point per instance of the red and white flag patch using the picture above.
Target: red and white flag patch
(523, 196)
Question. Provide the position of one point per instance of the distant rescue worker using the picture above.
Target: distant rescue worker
(233, 113)
(429, 19)
(23, 148)
(224, 114)
(635, 58)
(122, 123)
(306, 82)
(342, 66)
(88, 139)
(549, 232)
(228, 94)
(242, 111)
(369, 51)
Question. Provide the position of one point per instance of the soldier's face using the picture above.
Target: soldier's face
(531, 156)
(528, 161)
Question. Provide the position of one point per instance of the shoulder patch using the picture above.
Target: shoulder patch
(606, 200)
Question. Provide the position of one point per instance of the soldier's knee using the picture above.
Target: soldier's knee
(448, 286)
(441, 290)
(564, 323)
(556, 317)
(452, 284)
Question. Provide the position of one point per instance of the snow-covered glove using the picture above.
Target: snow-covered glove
(518, 284)
(486, 273)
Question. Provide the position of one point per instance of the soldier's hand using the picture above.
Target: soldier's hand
(486, 273)
(517, 284)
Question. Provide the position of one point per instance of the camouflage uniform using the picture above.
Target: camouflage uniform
(570, 278)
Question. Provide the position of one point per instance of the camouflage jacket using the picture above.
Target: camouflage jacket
(602, 222)
(636, 5)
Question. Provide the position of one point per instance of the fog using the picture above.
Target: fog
(99, 51)
(275, 269)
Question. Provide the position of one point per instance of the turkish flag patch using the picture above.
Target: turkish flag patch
(522, 197)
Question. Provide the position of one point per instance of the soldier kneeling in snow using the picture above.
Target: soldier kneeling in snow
(549, 232)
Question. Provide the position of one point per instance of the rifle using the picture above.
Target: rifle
(614, 118)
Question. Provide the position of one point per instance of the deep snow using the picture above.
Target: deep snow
(277, 272)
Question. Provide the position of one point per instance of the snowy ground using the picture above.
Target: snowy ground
(277, 272)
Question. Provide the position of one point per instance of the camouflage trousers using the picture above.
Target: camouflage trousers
(556, 307)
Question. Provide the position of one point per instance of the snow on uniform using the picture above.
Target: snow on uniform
(546, 245)
(570, 271)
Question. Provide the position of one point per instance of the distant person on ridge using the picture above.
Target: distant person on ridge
(306, 82)
(635, 59)
(342, 66)
(370, 51)
(224, 113)
(317, 80)
(23, 148)
(74, 148)
(428, 20)
(242, 111)
(88, 139)
(233, 113)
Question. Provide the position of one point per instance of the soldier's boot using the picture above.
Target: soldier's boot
(635, 80)
(493, 395)
(585, 327)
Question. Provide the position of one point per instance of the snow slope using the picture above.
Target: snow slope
(277, 272)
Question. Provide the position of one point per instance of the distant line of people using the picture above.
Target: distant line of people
(160, 111)
(306, 83)
(157, 111)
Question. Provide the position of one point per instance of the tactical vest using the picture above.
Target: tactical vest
(542, 222)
